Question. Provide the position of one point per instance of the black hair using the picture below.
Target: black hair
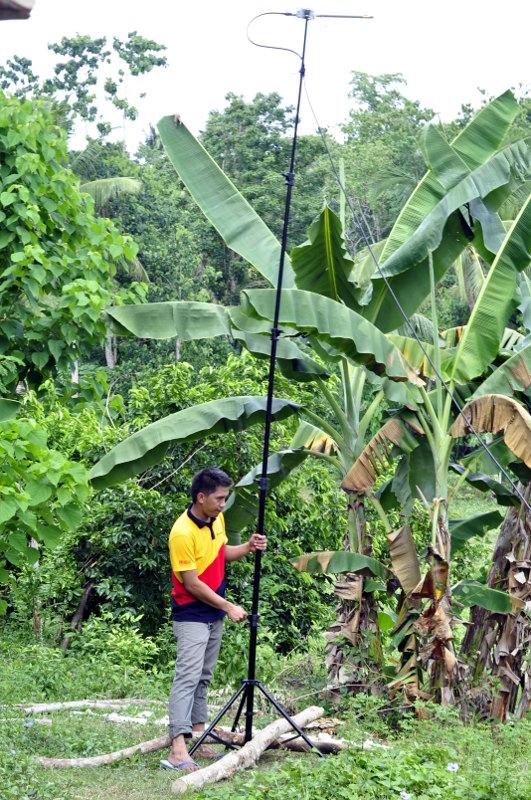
(207, 481)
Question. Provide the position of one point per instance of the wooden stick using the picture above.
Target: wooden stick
(98, 761)
(246, 757)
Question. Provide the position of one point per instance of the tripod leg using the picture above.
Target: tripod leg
(288, 718)
(217, 718)
(240, 709)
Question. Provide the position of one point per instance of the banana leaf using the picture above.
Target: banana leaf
(461, 530)
(334, 561)
(484, 483)
(513, 376)
(337, 326)
(472, 593)
(495, 413)
(445, 233)
(229, 212)
(404, 558)
(186, 319)
(375, 457)
(483, 333)
(149, 446)
(323, 265)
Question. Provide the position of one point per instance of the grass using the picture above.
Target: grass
(414, 760)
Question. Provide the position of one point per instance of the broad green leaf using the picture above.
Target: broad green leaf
(312, 438)
(148, 446)
(242, 506)
(422, 472)
(8, 409)
(445, 163)
(323, 265)
(415, 356)
(49, 534)
(38, 491)
(484, 483)
(8, 507)
(442, 234)
(293, 362)
(483, 333)
(17, 540)
(386, 620)
(463, 529)
(185, 319)
(472, 593)
(334, 561)
(238, 224)
(71, 515)
(475, 144)
(513, 376)
(340, 328)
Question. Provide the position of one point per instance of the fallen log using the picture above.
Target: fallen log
(244, 758)
(39, 708)
(109, 758)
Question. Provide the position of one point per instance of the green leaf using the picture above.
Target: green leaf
(513, 376)
(8, 409)
(484, 331)
(323, 265)
(38, 491)
(49, 534)
(504, 496)
(344, 331)
(339, 561)
(71, 515)
(238, 224)
(472, 593)
(186, 319)
(463, 529)
(8, 508)
(148, 446)
(387, 620)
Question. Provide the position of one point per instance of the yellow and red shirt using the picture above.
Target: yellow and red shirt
(197, 545)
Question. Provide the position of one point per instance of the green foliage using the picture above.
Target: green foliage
(56, 259)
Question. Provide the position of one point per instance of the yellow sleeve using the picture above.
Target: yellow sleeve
(182, 553)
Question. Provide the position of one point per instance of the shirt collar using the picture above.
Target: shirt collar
(199, 522)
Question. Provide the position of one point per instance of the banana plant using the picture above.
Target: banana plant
(332, 318)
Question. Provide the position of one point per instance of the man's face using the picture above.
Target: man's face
(212, 504)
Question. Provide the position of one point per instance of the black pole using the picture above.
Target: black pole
(246, 690)
(275, 332)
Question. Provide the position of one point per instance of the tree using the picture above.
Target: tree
(57, 259)
(81, 73)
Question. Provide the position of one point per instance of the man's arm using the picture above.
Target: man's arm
(202, 592)
(235, 551)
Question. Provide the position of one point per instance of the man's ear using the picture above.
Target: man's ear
(200, 497)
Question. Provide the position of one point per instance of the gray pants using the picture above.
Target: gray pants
(197, 652)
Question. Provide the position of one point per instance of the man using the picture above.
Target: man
(198, 553)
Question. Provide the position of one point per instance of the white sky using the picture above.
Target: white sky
(445, 50)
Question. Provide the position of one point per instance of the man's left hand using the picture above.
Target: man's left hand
(257, 542)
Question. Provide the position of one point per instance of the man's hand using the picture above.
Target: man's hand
(257, 542)
(236, 613)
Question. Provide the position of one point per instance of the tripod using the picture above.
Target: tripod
(246, 692)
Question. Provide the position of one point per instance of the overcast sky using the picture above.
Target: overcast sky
(445, 50)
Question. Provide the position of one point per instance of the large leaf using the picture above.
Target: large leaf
(476, 143)
(443, 234)
(148, 446)
(8, 409)
(404, 558)
(462, 530)
(495, 413)
(513, 376)
(310, 437)
(104, 189)
(242, 506)
(323, 265)
(471, 593)
(342, 330)
(339, 561)
(294, 363)
(496, 302)
(484, 483)
(376, 455)
(185, 319)
(415, 355)
(229, 212)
